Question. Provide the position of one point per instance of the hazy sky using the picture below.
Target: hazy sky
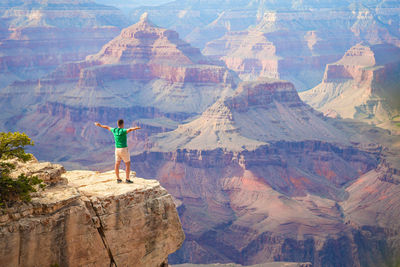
(132, 3)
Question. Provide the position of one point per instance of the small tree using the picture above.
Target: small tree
(12, 146)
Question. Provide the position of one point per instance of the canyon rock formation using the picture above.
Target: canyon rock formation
(37, 36)
(86, 218)
(263, 177)
(146, 74)
(279, 39)
(296, 44)
(260, 175)
(256, 114)
(200, 22)
(363, 85)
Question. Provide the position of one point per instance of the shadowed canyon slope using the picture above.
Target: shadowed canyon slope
(263, 177)
(37, 36)
(364, 85)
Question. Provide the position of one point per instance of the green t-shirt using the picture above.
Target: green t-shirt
(120, 136)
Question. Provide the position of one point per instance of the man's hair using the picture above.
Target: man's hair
(120, 122)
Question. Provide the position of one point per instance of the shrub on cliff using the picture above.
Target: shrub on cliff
(19, 189)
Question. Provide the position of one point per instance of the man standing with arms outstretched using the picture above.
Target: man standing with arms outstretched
(121, 147)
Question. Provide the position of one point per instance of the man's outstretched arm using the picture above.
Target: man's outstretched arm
(132, 129)
(103, 126)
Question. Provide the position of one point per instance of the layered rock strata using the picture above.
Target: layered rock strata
(146, 75)
(295, 44)
(363, 85)
(38, 36)
(88, 219)
(267, 205)
(256, 114)
(201, 22)
(262, 177)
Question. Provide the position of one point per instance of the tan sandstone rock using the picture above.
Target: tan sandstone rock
(92, 221)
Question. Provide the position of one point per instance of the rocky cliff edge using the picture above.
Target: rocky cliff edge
(85, 218)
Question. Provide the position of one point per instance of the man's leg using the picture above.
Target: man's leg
(128, 169)
(117, 163)
(127, 160)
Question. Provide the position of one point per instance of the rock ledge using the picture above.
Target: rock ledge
(91, 221)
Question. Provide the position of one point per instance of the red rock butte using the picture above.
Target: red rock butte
(362, 85)
(255, 114)
(154, 52)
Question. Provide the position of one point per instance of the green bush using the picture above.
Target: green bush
(12, 146)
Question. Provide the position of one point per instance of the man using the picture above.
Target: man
(121, 147)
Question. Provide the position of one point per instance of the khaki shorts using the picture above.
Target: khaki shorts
(122, 153)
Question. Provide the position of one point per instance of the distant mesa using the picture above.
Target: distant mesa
(146, 73)
(259, 112)
(249, 53)
(149, 65)
(38, 36)
(295, 42)
(364, 84)
(361, 58)
(144, 42)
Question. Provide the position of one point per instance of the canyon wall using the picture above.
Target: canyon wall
(262, 177)
(38, 36)
(259, 175)
(282, 202)
(297, 44)
(146, 74)
(279, 39)
(362, 85)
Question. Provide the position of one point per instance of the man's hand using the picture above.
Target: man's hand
(103, 126)
(133, 129)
